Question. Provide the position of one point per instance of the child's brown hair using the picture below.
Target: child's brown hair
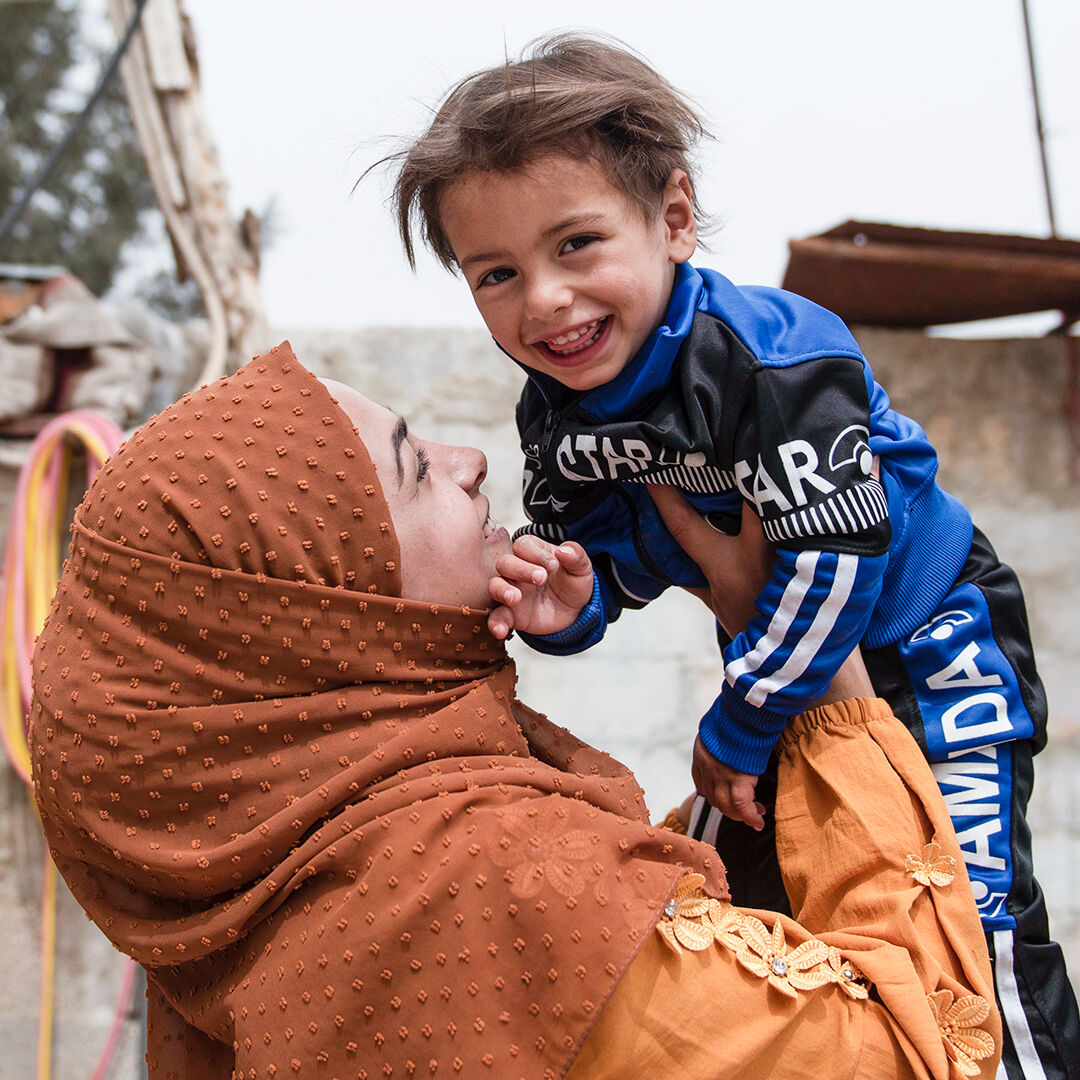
(569, 94)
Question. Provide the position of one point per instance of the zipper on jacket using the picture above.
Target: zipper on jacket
(553, 417)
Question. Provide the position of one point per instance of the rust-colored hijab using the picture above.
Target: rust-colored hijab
(313, 810)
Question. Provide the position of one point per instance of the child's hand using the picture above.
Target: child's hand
(541, 588)
(730, 791)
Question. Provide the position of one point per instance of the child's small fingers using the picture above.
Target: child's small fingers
(514, 568)
(744, 806)
(752, 816)
(501, 622)
(535, 550)
(504, 592)
(716, 795)
(726, 807)
(573, 558)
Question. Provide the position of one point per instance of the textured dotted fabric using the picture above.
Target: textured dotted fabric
(313, 810)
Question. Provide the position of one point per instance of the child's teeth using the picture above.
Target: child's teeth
(575, 335)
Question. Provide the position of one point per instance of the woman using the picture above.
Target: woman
(282, 765)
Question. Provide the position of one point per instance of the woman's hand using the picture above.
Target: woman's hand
(736, 567)
(541, 588)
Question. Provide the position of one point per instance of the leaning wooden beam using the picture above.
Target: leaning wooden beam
(160, 77)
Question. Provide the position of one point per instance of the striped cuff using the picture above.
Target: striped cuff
(740, 735)
(584, 632)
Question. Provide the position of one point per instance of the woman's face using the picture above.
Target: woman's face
(449, 545)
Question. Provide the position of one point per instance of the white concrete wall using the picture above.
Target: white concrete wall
(993, 408)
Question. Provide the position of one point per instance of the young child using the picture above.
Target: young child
(560, 187)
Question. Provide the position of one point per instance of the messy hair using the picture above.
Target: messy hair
(585, 96)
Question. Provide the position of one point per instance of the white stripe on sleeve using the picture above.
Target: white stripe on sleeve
(809, 644)
(805, 567)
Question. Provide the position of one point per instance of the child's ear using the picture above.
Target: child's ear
(677, 213)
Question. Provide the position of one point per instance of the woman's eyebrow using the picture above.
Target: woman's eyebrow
(398, 436)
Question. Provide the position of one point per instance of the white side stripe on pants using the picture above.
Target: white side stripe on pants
(1013, 1009)
(705, 833)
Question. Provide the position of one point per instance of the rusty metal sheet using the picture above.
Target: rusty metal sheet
(893, 275)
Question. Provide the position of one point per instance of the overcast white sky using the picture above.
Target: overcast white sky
(918, 113)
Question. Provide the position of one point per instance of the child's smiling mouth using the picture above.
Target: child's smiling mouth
(577, 345)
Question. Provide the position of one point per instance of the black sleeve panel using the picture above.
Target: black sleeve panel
(802, 457)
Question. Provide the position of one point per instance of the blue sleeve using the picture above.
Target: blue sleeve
(812, 614)
(583, 633)
(615, 587)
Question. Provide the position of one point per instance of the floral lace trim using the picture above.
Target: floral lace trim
(965, 1042)
(694, 921)
(931, 866)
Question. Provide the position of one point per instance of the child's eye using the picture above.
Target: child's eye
(423, 463)
(576, 243)
(495, 277)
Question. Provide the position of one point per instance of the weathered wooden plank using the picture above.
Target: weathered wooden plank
(164, 38)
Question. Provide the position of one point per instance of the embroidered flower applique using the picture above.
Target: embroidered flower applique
(767, 956)
(682, 923)
(692, 920)
(726, 922)
(931, 866)
(537, 847)
(965, 1042)
(846, 975)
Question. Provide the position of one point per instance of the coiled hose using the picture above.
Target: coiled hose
(37, 537)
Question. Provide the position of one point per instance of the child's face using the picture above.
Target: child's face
(567, 272)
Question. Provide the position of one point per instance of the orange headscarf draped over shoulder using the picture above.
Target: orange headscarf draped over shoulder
(312, 809)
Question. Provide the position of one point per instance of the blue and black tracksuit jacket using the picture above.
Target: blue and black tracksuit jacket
(758, 395)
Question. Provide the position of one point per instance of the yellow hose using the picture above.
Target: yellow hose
(48, 968)
(36, 537)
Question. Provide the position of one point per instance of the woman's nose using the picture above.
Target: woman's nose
(468, 466)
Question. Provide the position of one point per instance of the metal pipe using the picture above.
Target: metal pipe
(1038, 120)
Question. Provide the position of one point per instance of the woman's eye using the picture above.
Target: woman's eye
(496, 276)
(423, 463)
(576, 243)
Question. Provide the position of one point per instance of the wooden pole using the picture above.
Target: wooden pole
(160, 73)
